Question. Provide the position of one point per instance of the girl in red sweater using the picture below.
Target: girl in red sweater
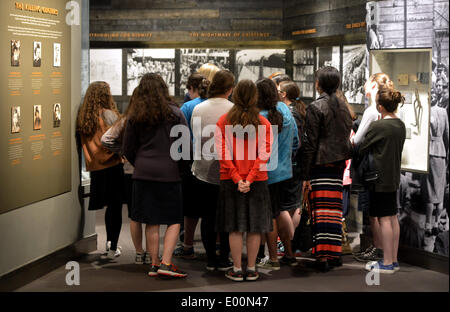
(244, 201)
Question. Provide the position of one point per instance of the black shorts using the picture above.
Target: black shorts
(290, 194)
(383, 204)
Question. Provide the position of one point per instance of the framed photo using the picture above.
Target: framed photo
(304, 57)
(15, 52)
(56, 115)
(354, 69)
(106, 65)
(37, 117)
(15, 119)
(303, 73)
(306, 89)
(257, 64)
(56, 54)
(37, 56)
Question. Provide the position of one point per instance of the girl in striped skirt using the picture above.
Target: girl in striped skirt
(326, 147)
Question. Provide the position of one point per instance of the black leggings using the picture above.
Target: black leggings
(113, 223)
(209, 236)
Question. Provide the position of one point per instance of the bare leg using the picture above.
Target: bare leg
(236, 248)
(136, 235)
(152, 236)
(396, 234)
(189, 230)
(295, 215)
(170, 241)
(271, 238)
(375, 227)
(253, 240)
(286, 232)
(387, 238)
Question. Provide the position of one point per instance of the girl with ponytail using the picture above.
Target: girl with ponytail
(244, 202)
(289, 217)
(286, 143)
(385, 139)
(325, 148)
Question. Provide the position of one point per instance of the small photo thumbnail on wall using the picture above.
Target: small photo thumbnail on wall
(37, 56)
(15, 119)
(56, 54)
(37, 117)
(56, 115)
(15, 52)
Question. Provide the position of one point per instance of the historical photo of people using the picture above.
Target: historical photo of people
(142, 61)
(192, 59)
(56, 115)
(306, 89)
(56, 54)
(37, 117)
(15, 52)
(328, 56)
(257, 64)
(37, 47)
(15, 119)
(354, 70)
(304, 57)
(303, 73)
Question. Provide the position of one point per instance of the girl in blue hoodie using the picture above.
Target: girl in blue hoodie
(286, 142)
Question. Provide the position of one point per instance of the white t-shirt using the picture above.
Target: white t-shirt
(370, 114)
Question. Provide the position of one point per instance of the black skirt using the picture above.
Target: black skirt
(106, 187)
(157, 202)
(239, 212)
(290, 193)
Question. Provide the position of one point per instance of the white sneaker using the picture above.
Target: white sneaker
(108, 246)
(114, 253)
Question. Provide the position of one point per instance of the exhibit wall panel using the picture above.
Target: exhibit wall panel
(41, 228)
(35, 113)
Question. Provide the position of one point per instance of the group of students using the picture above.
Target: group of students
(245, 182)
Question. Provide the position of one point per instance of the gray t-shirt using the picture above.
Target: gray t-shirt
(207, 169)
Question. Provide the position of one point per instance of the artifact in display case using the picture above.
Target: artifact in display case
(410, 69)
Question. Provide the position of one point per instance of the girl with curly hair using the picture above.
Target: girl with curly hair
(97, 113)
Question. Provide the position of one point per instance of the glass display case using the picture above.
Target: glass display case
(410, 70)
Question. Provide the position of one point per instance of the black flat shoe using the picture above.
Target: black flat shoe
(335, 262)
(321, 266)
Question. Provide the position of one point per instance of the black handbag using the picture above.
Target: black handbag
(303, 236)
(363, 172)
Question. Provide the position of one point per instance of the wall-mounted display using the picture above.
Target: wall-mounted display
(304, 57)
(306, 89)
(35, 88)
(192, 59)
(106, 65)
(56, 115)
(57, 54)
(15, 119)
(37, 48)
(15, 52)
(354, 69)
(328, 56)
(142, 61)
(416, 116)
(303, 73)
(257, 64)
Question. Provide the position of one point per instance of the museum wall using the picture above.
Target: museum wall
(36, 230)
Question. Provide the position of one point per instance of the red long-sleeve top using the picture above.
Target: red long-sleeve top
(247, 158)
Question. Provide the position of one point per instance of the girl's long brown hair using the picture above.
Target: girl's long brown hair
(98, 97)
(244, 112)
(151, 101)
(293, 94)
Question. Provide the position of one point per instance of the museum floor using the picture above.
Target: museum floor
(123, 275)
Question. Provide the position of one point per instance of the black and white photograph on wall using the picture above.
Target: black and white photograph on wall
(328, 56)
(56, 115)
(257, 64)
(15, 119)
(56, 54)
(374, 39)
(15, 52)
(304, 57)
(142, 61)
(354, 69)
(106, 65)
(37, 117)
(306, 89)
(37, 48)
(303, 73)
(192, 59)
